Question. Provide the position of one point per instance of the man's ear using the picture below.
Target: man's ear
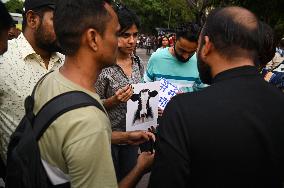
(207, 47)
(119, 42)
(93, 38)
(33, 20)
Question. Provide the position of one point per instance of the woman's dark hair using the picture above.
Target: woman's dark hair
(6, 20)
(281, 43)
(161, 41)
(73, 17)
(127, 18)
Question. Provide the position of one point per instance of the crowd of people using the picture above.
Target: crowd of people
(223, 128)
(153, 43)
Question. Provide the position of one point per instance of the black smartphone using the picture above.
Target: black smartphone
(147, 146)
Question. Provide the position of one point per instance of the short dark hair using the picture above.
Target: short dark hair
(231, 32)
(73, 17)
(281, 43)
(6, 20)
(127, 18)
(267, 46)
(39, 11)
(189, 31)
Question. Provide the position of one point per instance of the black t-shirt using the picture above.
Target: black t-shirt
(230, 134)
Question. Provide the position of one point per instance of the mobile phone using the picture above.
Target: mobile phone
(147, 146)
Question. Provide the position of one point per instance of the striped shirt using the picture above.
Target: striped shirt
(163, 64)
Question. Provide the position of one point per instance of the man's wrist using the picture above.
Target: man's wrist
(139, 170)
(114, 100)
(127, 137)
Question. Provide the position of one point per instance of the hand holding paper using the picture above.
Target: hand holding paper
(139, 137)
(123, 94)
(142, 108)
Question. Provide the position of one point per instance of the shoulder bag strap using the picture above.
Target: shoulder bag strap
(60, 105)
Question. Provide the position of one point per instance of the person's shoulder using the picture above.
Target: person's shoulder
(156, 56)
(14, 42)
(49, 79)
(194, 99)
(5, 59)
(91, 115)
(183, 97)
(18, 48)
(12, 50)
(109, 70)
(159, 49)
(178, 102)
(83, 122)
(193, 58)
(91, 118)
(11, 58)
(188, 107)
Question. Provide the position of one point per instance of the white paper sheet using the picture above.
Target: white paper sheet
(142, 108)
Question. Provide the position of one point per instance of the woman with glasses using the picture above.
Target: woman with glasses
(115, 88)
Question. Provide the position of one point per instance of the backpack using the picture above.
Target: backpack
(24, 164)
(2, 169)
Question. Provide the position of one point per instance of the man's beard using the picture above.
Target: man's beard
(3, 50)
(204, 70)
(180, 58)
(44, 42)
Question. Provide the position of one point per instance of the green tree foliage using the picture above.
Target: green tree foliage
(160, 13)
(15, 6)
(269, 11)
(157, 13)
(199, 9)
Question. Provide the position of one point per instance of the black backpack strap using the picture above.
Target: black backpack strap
(29, 101)
(39, 81)
(59, 105)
